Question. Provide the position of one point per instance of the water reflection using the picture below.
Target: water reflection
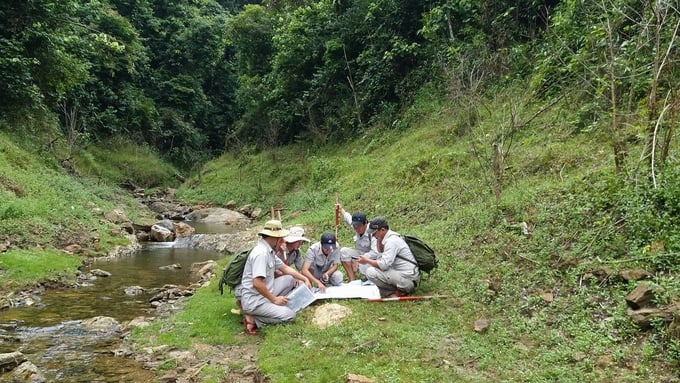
(50, 334)
(69, 353)
(106, 295)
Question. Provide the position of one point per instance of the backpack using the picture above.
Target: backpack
(425, 257)
(233, 272)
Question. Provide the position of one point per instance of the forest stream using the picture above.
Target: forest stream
(51, 332)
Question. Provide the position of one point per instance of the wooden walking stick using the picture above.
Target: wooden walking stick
(337, 215)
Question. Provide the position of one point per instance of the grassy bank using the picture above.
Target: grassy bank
(432, 174)
(47, 205)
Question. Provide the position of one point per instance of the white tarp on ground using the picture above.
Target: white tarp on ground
(354, 289)
(302, 297)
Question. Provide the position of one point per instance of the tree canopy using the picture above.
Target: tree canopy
(195, 78)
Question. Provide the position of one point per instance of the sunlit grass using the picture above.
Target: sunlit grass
(120, 160)
(43, 206)
(20, 267)
(435, 180)
(431, 176)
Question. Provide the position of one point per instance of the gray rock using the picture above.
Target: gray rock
(27, 372)
(218, 215)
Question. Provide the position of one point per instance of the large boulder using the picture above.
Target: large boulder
(10, 360)
(218, 215)
(161, 234)
(27, 372)
(183, 230)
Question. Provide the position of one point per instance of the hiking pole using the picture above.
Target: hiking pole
(407, 298)
(337, 215)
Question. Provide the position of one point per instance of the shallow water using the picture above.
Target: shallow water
(107, 295)
(50, 334)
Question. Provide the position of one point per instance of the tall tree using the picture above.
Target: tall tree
(36, 60)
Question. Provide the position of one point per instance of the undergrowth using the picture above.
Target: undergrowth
(525, 262)
(540, 260)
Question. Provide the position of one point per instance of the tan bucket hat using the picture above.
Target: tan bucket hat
(274, 229)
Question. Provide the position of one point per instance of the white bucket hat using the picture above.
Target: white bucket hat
(274, 229)
(296, 233)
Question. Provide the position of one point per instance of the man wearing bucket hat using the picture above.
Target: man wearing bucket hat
(394, 271)
(363, 244)
(263, 297)
(321, 262)
(290, 255)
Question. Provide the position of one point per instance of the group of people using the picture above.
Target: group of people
(275, 266)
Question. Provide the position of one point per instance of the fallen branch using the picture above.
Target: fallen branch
(199, 368)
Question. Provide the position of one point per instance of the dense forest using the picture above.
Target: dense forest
(531, 142)
(195, 78)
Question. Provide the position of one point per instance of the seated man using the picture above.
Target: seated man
(321, 262)
(394, 271)
(291, 252)
(263, 297)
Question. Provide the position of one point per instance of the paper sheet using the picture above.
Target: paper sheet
(354, 289)
(302, 297)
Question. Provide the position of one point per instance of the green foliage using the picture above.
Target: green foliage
(41, 67)
(579, 216)
(298, 77)
(129, 162)
(43, 206)
(652, 218)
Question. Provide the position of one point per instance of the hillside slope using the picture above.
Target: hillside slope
(532, 240)
(52, 213)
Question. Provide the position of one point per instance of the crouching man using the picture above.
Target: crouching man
(321, 262)
(263, 297)
(394, 270)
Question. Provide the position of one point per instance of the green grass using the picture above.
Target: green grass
(33, 266)
(430, 175)
(128, 162)
(44, 206)
(436, 182)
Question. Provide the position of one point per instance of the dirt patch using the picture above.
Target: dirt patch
(239, 362)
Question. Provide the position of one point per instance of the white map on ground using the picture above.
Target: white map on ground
(354, 289)
(302, 297)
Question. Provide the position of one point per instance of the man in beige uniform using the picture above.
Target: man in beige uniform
(394, 270)
(263, 296)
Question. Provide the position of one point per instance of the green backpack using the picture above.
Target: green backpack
(425, 257)
(233, 272)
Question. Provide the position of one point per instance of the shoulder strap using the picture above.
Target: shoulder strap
(404, 258)
(407, 260)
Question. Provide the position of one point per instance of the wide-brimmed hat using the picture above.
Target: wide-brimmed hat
(296, 233)
(274, 229)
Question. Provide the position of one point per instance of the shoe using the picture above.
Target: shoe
(249, 325)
